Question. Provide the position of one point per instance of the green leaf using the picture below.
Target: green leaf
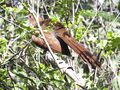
(11, 27)
(106, 15)
(102, 44)
(9, 10)
(1, 21)
(1, 1)
(54, 19)
(105, 88)
(110, 34)
(3, 44)
(15, 10)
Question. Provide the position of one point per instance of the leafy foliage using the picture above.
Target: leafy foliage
(24, 66)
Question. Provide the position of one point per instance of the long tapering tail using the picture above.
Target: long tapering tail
(81, 50)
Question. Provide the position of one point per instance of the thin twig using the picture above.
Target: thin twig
(112, 23)
(7, 61)
(77, 6)
(15, 24)
(45, 8)
(85, 34)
